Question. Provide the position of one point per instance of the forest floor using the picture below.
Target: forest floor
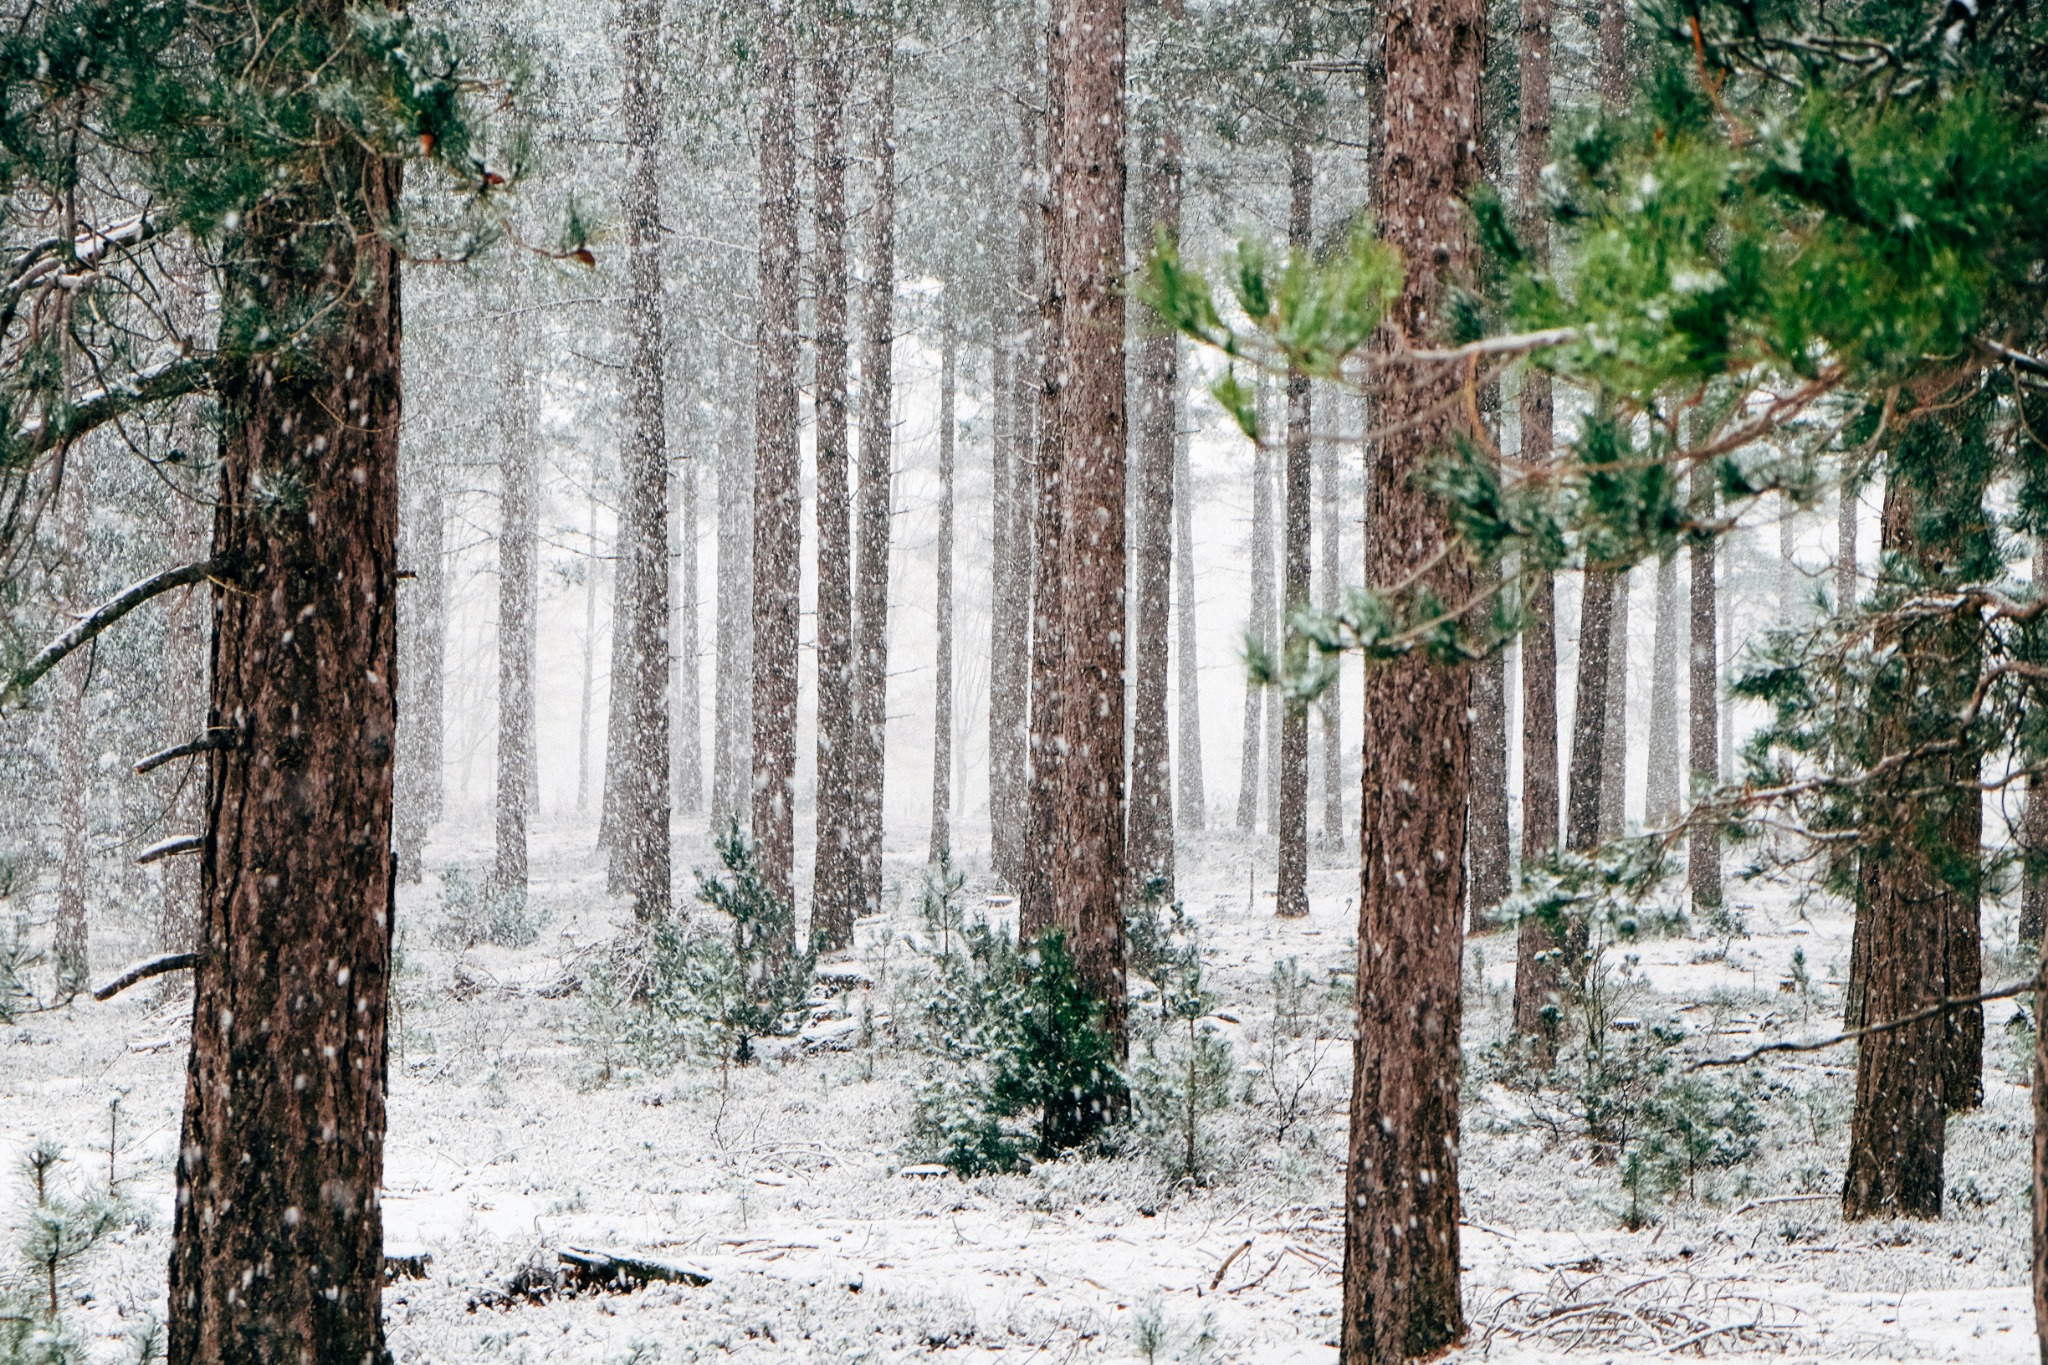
(789, 1183)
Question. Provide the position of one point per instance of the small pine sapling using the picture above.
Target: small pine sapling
(772, 967)
(1177, 1092)
(57, 1233)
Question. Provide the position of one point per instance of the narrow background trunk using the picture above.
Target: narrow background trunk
(518, 568)
(732, 698)
(1193, 815)
(942, 670)
(1703, 762)
(1291, 897)
(1614, 730)
(1259, 630)
(1660, 799)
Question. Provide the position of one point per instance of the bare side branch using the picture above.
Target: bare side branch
(145, 969)
(99, 618)
(1935, 1010)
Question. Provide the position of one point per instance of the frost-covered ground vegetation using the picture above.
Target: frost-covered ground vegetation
(1695, 1212)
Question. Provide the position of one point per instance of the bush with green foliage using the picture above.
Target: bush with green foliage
(1019, 1062)
(56, 1235)
(473, 913)
(1187, 1069)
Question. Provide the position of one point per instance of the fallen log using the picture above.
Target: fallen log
(589, 1268)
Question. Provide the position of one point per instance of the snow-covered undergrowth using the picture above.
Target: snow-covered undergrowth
(516, 1130)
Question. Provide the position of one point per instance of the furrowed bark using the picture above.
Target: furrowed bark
(1260, 630)
(1703, 761)
(1401, 1295)
(778, 491)
(1291, 829)
(835, 875)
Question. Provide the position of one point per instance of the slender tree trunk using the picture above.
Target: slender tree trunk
(1537, 969)
(2040, 1243)
(942, 667)
(732, 701)
(518, 536)
(1589, 724)
(1291, 898)
(640, 645)
(185, 718)
(277, 1238)
(591, 571)
(877, 471)
(1016, 321)
(1845, 548)
(1401, 1270)
(1788, 592)
(1332, 708)
(835, 874)
(1727, 617)
(73, 714)
(1614, 731)
(1703, 761)
(1151, 841)
(1260, 631)
(1193, 815)
(1660, 805)
(688, 707)
(778, 491)
(421, 681)
(1035, 904)
(1089, 877)
(2033, 831)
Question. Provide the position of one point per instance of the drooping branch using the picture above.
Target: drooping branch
(145, 969)
(99, 618)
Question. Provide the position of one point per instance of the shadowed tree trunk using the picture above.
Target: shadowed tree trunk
(1193, 815)
(185, 715)
(942, 669)
(1087, 254)
(1537, 969)
(1660, 797)
(688, 786)
(835, 874)
(2033, 831)
(73, 714)
(1259, 629)
(518, 536)
(1589, 723)
(1845, 548)
(277, 1240)
(2040, 1241)
(1614, 731)
(1291, 828)
(1035, 904)
(1015, 321)
(1151, 846)
(877, 449)
(778, 491)
(732, 699)
(1331, 710)
(424, 636)
(1703, 685)
(636, 767)
(1401, 1269)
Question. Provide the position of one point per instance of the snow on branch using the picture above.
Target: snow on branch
(99, 618)
(145, 969)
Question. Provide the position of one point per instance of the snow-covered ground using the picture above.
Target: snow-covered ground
(785, 1181)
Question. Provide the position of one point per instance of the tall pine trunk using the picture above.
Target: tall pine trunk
(778, 490)
(1590, 720)
(1291, 897)
(687, 707)
(2033, 830)
(1193, 815)
(942, 663)
(1703, 688)
(587, 703)
(835, 873)
(1087, 852)
(732, 697)
(73, 715)
(636, 766)
(518, 537)
(1015, 322)
(877, 470)
(1614, 728)
(1537, 969)
(185, 716)
(1660, 804)
(1401, 1269)
(277, 1238)
(1151, 841)
(1259, 631)
(1331, 712)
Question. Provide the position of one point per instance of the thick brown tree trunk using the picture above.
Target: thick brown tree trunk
(942, 665)
(636, 768)
(1401, 1185)
(277, 1242)
(1660, 803)
(1151, 846)
(835, 874)
(518, 537)
(2033, 831)
(877, 469)
(1291, 897)
(185, 718)
(1590, 721)
(1703, 686)
(1537, 970)
(778, 489)
(1087, 254)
